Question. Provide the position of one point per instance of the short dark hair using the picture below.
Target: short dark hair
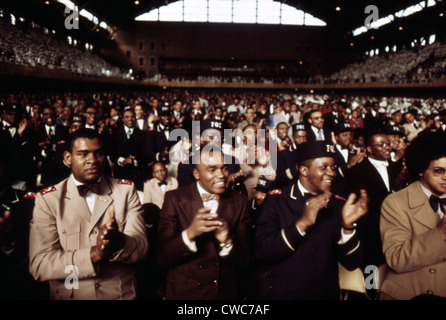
(426, 147)
(83, 133)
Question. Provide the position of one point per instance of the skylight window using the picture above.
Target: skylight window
(231, 11)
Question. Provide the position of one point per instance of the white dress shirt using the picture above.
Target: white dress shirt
(381, 166)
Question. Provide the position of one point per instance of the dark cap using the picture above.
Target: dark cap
(163, 110)
(211, 124)
(343, 127)
(264, 185)
(315, 149)
(298, 127)
(77, 118)
(389, 129)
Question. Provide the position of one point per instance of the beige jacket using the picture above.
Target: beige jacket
(63, 230)
(412, 245)
(153, 192)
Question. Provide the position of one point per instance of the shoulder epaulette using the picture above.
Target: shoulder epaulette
(47, 190)
(30, 195)
(61, 142)
(123, 181)
(339, 198)
(275, 192)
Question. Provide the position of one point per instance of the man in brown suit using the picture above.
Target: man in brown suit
(87, 231)
(413, 225)
(203, 234)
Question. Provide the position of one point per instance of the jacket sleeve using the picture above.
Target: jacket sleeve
(136, 246)
(272, 241)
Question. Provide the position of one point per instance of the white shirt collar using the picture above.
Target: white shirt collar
(302, 188)
(379, 163)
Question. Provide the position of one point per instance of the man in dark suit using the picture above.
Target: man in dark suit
(14, 130)
(158, 142)
(377, 175)
(203, 234)
(287, 159)
(49, 136)
(315, 127)
(304, 230)
(126, 153)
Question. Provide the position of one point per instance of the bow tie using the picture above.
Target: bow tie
(162, 183)
(437, 202)
(85, 188)
(208, 197)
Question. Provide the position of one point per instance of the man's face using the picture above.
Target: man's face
(129, 118)
(380, 147)
(90, 116)
(86, 159)
(212, 173)
(249, 114)
(282, 131)
(300, 137)
(397, 117)
(76, 126)
(177, 106)
(409, 117)
(344, 139)
(395, 140)
(260, 197)
(434, 178)
(11, 117)
(317, 120)
(49, 116)
(159, 172)
(139, 112)
(320, 175)
(165, 120)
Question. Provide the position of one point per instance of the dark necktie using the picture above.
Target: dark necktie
(208, 197)
(437, 202)
(162, 183)
(308, 195)
(85, 188)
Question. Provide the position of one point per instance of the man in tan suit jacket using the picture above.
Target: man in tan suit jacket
(413, 225)
(86, 245)
(155, 188)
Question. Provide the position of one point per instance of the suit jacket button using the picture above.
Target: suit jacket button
(200, 266)
(216, 282)
(97, 285)
(429, 292)
(432, 270)
(64, 231)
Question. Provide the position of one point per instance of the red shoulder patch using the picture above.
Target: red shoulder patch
(61, 142)
(29, 195)
(339, 198)
(47, 190)
(275, 192)
(123, 181)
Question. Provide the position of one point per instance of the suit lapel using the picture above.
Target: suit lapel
(79, 204)
(103, 201)
(374, 174)
(422, 209)
(191, 201)
(226, 208)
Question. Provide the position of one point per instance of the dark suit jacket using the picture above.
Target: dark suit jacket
(302, 267)
(312, 137)
(123, 147)
(365, 176)
(49, 176)
(204, 274)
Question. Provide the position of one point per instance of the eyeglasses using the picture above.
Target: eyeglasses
(437, 171)
(382, 144)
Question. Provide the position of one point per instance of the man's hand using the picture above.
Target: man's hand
(352, 211)
(312, 208)
(109, 239)
(222, 232)
(357, 158)
(128, 160)
(204, 221)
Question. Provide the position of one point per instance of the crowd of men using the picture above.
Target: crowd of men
(209, 212)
